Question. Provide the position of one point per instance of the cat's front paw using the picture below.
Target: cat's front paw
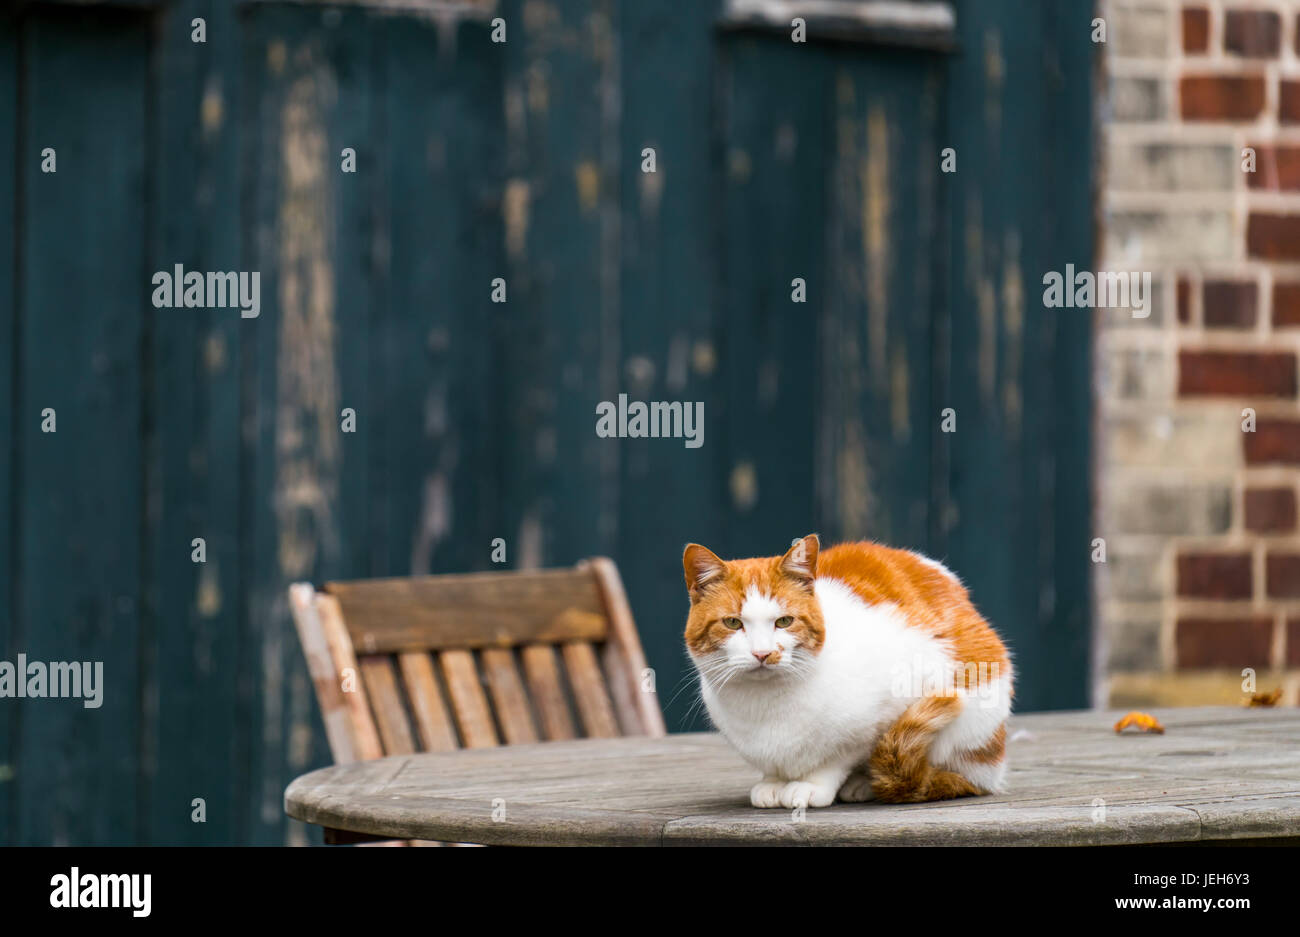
(767, 792)
(806, 794)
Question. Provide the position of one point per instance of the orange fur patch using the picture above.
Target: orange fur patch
(993, 751)
(930, 599)
(901, 772)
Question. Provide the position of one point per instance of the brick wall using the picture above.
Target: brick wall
(1202, 570)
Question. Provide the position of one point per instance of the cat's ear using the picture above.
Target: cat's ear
(800, 561)
(702, 567)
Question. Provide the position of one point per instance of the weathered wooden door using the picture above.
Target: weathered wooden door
(782, 170)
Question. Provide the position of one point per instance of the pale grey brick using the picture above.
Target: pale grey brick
(1198, 509)
(1135, 238)
(1155, 308)
(1133, 642)
(1207, 439)
(1168, 167)
(1136, 373)
(1137, 100)
(1139, 30)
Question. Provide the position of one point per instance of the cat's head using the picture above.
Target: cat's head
(756, 617)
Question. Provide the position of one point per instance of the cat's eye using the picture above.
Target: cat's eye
(785, 621)
(734, 624)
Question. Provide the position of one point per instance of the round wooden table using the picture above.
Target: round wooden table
(1216, 774)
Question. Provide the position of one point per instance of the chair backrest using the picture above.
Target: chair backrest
(432, 663)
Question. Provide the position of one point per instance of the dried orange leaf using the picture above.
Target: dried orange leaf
(1266, 699)
(1143, 722)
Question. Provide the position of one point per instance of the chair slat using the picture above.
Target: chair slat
(589, 692)
(543, 676)
(431, 719)
(385, 698)
(623, 648)
(508, 696)
(472, 611)
(468, 700)
(365, 734)
(621, 690)
(329, 691)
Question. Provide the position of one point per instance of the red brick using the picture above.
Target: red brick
(1288, 102)
(1273, 441)
(1228, 305)
(1214, 575)
(1293, 642)
(1184, 301)
(1246, 641)
(1286, 304)
(1252, 33)
(1273, 237)
(1277, 168)
(1282, 574)
(1236, 373)
(1196, 29)
(1270, 510)
(1221, 97)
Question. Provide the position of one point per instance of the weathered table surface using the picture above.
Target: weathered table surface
(1216, 774)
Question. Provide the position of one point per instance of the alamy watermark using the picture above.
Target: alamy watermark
(195, 290)
(79, 889)
(978, 679)
(83, 680)
(659, 418)
(1106, 289)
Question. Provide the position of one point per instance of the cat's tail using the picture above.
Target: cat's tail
(901, 771)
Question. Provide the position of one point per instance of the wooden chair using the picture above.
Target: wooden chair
(433, 663)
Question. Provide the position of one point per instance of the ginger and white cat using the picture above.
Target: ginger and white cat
(860, 672)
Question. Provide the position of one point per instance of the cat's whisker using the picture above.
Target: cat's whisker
(684, 683)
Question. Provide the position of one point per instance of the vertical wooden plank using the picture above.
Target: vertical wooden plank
(10, 381)
(191, 653)
(346, 91)
(386, 703)
(542, 673)
(623, 690)
(633, 689)
(262, 645)
(589, 693)
(672, 308)
(355, 699)
(351, 44)
(561, 238)
(325, 677)
(467, 699)
(308, 226)
(1019, 373)
(508, 696)
(774, 154)
(79, 530)
(434, 370)
(876, 414)
(1067, 611)
(431, 718)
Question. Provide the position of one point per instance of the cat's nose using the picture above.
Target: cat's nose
(761, 655)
